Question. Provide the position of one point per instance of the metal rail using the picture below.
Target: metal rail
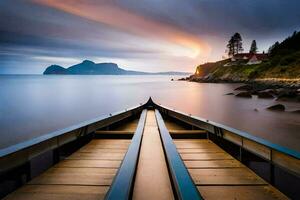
(182, 182)
(122, 185)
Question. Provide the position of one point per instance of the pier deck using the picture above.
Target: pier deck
(86, 174)
(219, 176)
(89, 172)
(152, 179)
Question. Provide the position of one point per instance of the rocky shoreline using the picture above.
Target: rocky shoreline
(280, 90)
(264, 83)
(266, 92)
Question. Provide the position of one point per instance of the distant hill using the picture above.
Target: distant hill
(88, 67)
(283, 65)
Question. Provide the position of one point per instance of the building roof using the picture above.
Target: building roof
(259, 56)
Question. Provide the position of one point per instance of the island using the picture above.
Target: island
(88, 67)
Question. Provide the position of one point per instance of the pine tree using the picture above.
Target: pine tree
(235, 45)
(253, 48)
(230, 47)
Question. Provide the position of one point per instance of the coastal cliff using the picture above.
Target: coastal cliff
(280, 66)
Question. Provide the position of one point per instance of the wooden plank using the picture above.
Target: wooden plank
(226, 179)
(110, 141)
(85, 148)
(232, 137)
(193, 146)
(152, 178)
(197, 150)
(226, 176)
(206, 156)
(109, 145)
(71, 170)
(89, 163)
(76, 176)
(287, 162)
(62, 192)
(114, 132)
(203, 141)
(196, 132)
(212, 164)
(258, 149)
(240, 192)
(93, 150)
(96, 156)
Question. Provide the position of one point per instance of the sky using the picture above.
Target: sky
(144, 35)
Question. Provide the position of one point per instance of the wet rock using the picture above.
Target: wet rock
(288, 95)
(254, 92)
(277, 107)
(244, 95)
(172, 79)
(245, 87)
(230, 93)
(271, 91)
(265, 95)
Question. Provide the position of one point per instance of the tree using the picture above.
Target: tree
(253, 48)
(272, 50)
(235, 45)
(230, 47)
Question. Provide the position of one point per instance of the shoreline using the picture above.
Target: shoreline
(266, 88)
(268, 83)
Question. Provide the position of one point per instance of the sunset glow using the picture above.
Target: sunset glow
(121, 19)
(171, 35)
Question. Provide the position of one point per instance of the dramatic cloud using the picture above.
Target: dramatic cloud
(149, 35)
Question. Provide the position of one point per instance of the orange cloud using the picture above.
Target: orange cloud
(183, 43)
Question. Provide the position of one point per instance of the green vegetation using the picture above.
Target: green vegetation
(283, 63)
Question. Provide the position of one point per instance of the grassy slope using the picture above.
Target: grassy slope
(284, 63)
(286, 67)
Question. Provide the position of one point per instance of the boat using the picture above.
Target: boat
(149, 152)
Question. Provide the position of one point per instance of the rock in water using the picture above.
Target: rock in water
(277, 107)
(266, 95)
(245, 87)
(244, 95)
(287, 95)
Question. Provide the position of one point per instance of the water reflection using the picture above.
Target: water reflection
(34, 105)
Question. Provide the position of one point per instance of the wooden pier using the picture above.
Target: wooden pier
(157, 159)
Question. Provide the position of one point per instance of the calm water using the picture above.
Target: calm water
(31, 106)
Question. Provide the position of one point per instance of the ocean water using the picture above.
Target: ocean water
(33, 105)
